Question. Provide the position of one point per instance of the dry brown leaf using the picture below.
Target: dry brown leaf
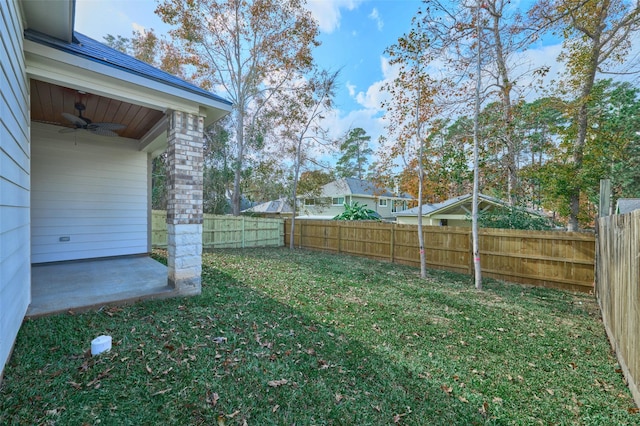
(338, 398)
(484, 409)
(222, 421)
(276, 383)
(212, 398)
(634, 410)
(377, 408)
(550, 391)
(162, 392)
(463, 399)
(497, 399)
(275, 408)
(149, 369)
(447, 389)
(232, 415)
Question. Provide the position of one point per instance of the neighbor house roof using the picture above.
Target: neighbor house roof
(626, 205)
(280, 205)
(90, 49)
(430, 209)
(358, 187)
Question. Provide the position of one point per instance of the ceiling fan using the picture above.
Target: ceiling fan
(80, 122)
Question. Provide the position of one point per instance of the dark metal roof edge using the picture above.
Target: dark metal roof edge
(45, 40)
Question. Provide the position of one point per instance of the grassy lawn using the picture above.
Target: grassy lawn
(305, 338)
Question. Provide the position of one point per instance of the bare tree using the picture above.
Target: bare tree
(246, 48)
(300, 126)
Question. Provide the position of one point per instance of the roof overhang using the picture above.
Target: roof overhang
(65, 69)
(52, 17)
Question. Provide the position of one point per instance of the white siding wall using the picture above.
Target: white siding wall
(90, 189)
(15, 268)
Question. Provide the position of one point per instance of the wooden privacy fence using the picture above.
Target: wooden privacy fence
(225, 231)
(543, 258)
(618, 290)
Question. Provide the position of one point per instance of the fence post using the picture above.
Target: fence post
(339, 236)
(243, 231)
(471, 268)
(300, 240)
(393, 241)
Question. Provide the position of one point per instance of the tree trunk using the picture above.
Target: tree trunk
(296, 175)
(237, 167)
(581, 135)
(476, 175)
(507, 114)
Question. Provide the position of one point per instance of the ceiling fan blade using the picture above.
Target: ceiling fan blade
(108, 126)
(75, 120)
(102, 132)
(67, 130)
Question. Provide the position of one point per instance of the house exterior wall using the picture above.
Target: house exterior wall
(327, 209)
(15, 266)
(413, 220)
(90, 189)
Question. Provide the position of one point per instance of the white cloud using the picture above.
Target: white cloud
(351, 88)
(374, 15)
(327, 13)
(373, 97)
(138, 28)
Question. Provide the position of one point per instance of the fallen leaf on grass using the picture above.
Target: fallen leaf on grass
(398, 417)
(338, 397)
(162, 392)
(447, 389)
(377, 408)
(55, 411)
(634, 410)
(149, 369)
(497, 400)
(484, 409)
(550, 391)
(212, 398)
(75, 385)
(463, 399)
(275, 408)
(276, 383)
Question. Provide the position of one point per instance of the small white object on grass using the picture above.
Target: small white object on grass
(100, 344)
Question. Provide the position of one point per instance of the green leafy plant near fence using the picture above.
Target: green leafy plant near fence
(514, 218)
(357, 211)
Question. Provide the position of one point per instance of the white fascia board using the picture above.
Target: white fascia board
(55, 66)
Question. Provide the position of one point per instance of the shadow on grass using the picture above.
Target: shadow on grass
(230, 356)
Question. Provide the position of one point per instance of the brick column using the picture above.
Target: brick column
(184, 206)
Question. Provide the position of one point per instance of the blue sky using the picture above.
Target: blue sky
(354, 35)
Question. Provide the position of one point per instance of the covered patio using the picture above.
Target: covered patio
(90, 284)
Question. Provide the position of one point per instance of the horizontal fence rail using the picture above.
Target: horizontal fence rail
(220, 231)
(618, 290)
(562, 260)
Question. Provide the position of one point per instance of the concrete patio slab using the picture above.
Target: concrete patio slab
(82, 285)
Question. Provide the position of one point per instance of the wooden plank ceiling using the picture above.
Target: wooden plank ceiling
(49, 101)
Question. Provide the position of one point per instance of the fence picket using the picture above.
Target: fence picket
(544, 258)
(618, 290)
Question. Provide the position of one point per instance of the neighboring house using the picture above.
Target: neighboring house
(452, 212)
(332, 197)
(626, 205)
(280, 208)
(79, 194)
